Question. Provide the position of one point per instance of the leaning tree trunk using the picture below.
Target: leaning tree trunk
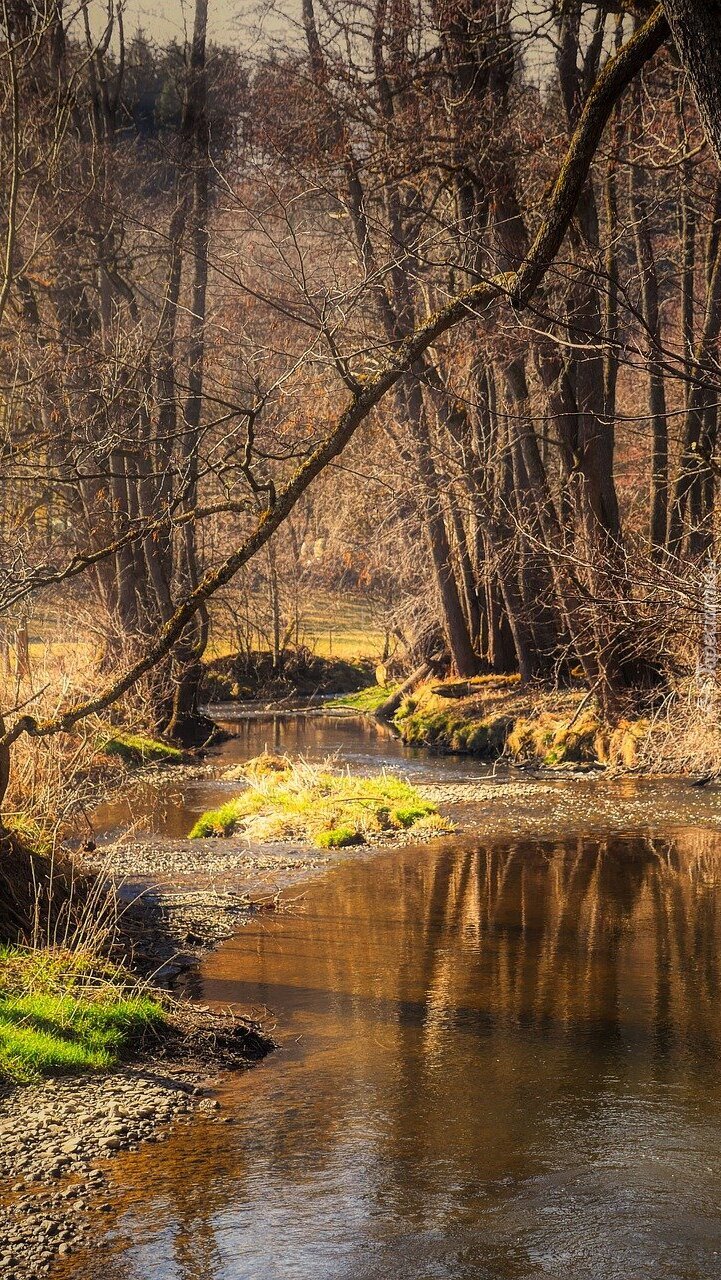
(4, 768)
(696, 27)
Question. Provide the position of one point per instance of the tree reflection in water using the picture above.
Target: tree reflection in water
(497, 1062)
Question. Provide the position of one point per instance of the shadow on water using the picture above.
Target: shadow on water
(499, 1063)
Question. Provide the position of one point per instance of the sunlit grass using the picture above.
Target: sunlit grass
(331, 626)
(317, 804)
(365, 700)
(65, 1011)
(136, 748)
(48, 1035)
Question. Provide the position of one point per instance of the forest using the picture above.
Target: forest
(437, 289)
(372, 353)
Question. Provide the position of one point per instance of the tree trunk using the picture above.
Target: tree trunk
(695, 26)
(464, 658)
(646, 263)
(4, 769)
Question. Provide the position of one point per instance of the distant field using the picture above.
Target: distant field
(342, 628)
(331, 626)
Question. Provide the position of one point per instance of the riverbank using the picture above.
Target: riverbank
(59, 1134)
(59, 1137)
(496, 718)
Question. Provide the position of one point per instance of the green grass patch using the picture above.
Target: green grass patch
(63, 1011)
(135, 748)
(365, 700)
(44, 1035)
(318, 805)
(222, 821)
(31, 833)
(338, 838)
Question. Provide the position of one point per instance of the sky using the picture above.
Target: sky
(170, 19)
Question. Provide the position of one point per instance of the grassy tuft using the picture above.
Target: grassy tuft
(63, 1011)
(338, 838)
(328, 808)
(408, 815)
(267, 765)
(365, 700)
(135, 748)
(222, 821)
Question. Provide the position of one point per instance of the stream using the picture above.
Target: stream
(500, 1059)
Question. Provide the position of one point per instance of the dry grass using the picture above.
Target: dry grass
(294, 800)
(685, 735)
(55, 779)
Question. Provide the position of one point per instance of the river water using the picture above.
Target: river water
(499, 1061)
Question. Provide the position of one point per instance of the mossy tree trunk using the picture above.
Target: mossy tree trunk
(4, 769)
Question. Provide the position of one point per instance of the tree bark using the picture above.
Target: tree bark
(646, 264)
(696, 27)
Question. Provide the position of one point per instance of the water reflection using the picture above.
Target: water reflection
(498, 1063)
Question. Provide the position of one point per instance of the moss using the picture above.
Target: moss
(493, 716)
(555, 740)
(435, 728)
(338, 838)
(407, 707)
(51, 1035)
(455, 729)
(406, 816)
(365, 700)
(135, 748)
(217, 822)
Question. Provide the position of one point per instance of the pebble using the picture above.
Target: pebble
(51, 1138)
